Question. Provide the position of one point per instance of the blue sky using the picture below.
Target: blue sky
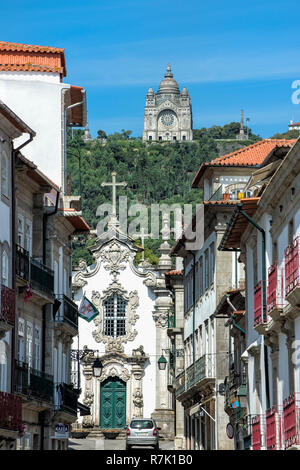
(230, 55)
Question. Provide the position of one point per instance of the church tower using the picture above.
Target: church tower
(168, 113)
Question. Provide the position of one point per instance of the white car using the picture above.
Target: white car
(142, 432)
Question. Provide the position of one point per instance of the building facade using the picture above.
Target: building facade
(168, 113)
(31, 83)
(265, 229)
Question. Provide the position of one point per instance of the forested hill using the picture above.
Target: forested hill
(156, 172)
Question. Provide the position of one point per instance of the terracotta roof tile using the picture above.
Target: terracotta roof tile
(252, 155)
(30, 58)
(174, 272)
(13, 46)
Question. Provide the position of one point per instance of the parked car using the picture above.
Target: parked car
(142, 432)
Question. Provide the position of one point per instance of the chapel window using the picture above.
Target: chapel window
(115, 316)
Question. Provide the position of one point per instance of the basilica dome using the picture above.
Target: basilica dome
(168, 84)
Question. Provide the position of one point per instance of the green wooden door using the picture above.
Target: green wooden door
(113, 404)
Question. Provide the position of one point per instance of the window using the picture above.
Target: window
(201, 275)
(3, 367)
(29, 334)
(206, 268)
(150, 137)
(174, 137)
(212, 262)
(183, 137)
(21, 343)
(37, 348)
(4, 175)
(115, 316)
(160, 137)
(28, 237)
(4, 268)
(21, 231)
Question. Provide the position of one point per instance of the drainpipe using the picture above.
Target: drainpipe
(264, 295)
(194, 302)
(45, 217)
(234, 316)
(13, 246)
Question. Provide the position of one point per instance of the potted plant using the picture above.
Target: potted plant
(110, 433)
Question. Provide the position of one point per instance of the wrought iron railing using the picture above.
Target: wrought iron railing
(275, 297)
(203, 368)
(10, 412)
(33, 383)
(274, 428)
(41, 277)
(22, 263)
(180, 383)
(67, 312)
(7, 312)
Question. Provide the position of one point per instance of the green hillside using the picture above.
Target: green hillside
(155, 173)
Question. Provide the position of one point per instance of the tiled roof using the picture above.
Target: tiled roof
(174, 272)
(254, 154)
(29, 58)
(29, 68)
(294, 124)
(251, 156)
(13, 46)
(223, 202)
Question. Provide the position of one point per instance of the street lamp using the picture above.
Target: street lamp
(162, 362)
(97, 367)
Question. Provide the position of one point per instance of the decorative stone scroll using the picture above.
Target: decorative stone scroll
(130, 315)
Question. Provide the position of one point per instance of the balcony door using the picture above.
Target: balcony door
(113, 404)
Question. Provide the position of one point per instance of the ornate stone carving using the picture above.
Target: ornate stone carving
(116, 370)
(114, 346)
(130, 317)
(87, 422)
(88, 398)
(114, 258)
(161, 318)
(80, 278)
(138, 398)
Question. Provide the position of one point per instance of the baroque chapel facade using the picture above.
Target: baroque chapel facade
(127, 335)
(168, 113)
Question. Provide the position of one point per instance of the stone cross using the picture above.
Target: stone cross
(114, 185)
(143, 237)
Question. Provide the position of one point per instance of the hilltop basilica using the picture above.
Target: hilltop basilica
(168, 113)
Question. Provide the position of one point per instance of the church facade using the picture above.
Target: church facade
(168, 113)
(127, 332)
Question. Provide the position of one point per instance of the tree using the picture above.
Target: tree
(101, 134)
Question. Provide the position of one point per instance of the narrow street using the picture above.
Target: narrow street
(110, 444)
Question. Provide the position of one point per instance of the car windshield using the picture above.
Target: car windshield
(141, 424)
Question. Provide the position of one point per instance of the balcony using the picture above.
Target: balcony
(292, 268)
(275, 292)
(33, 383)
(180, 383)
(273, 429)
(66, 398)
(291, 421)
(7, 313)
(260, 319)
(235, 391)
(22, 263)
(67, 314)
(196, 375)
(41, 277)
(10, 412)
(257, 425)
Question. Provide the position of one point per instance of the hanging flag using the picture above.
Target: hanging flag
(28, 293)
(87, 310)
